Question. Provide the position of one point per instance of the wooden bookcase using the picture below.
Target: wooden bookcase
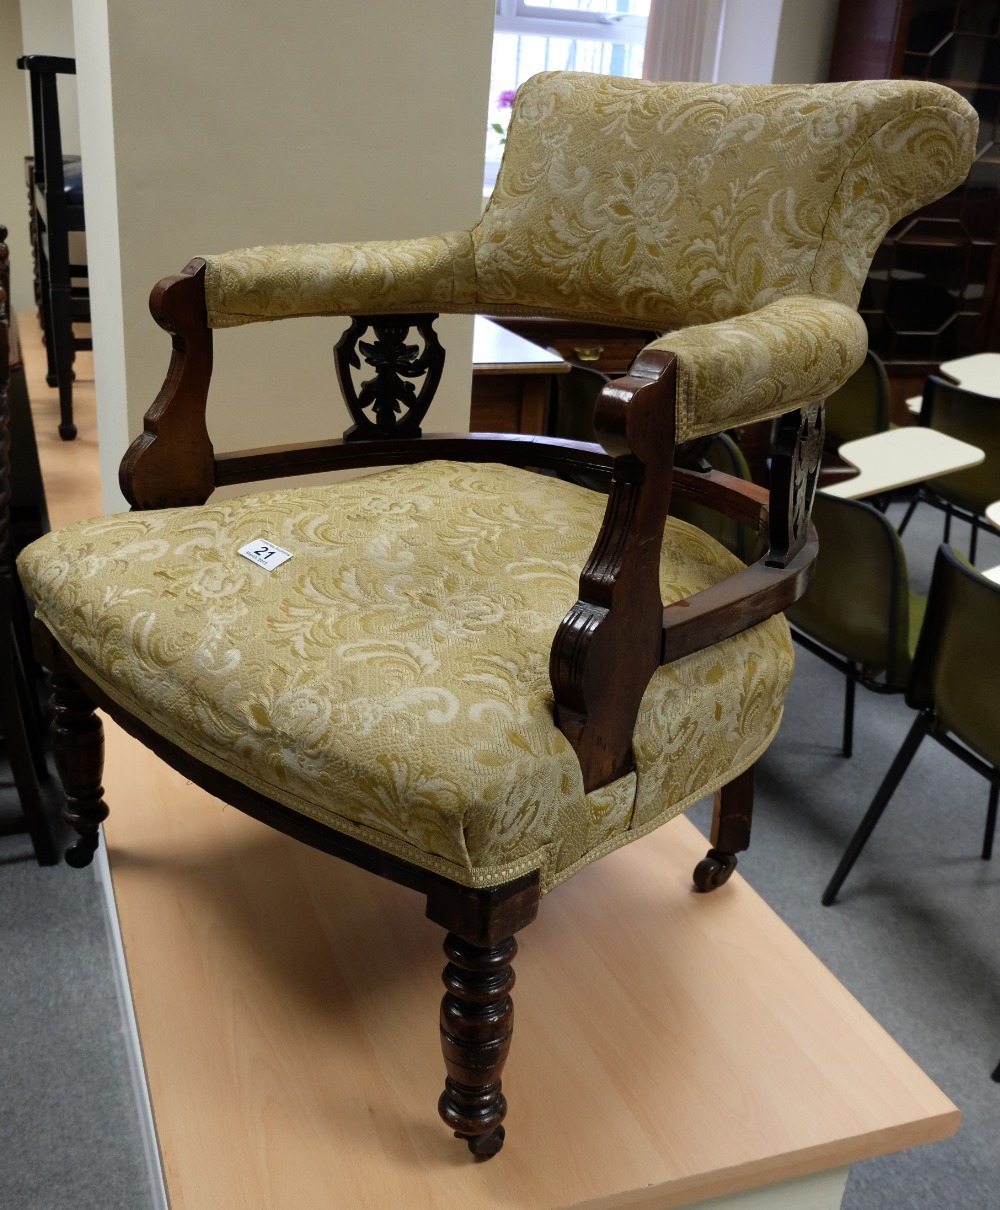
(933, 292)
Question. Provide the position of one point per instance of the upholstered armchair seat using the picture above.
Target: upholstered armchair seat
(473, 676)
(391, 679)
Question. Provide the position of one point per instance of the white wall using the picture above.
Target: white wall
(211, 126)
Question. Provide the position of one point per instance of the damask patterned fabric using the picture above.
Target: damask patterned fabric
(391, 679)
(663, 206)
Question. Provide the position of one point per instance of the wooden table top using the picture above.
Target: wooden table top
(668, 1046)
(900, 457)
(495, 350)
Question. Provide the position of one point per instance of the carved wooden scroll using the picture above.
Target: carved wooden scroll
(391, 396)
(798, 448)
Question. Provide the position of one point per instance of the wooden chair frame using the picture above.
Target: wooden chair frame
(603, 655)
(61, 304)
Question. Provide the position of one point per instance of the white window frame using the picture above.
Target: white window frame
(523, 17)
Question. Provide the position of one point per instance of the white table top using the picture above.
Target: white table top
(993, 513)
(497, 350)
(899, 457)
(979, 372)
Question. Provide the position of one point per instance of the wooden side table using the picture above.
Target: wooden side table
(511, 381)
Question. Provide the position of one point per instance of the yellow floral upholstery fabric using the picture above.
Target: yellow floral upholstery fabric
(391, 679)
(663, 206)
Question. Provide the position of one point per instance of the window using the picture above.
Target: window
(606, 36)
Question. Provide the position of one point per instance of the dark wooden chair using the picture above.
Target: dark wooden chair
(459, 674)
(20, 717)
(56, 204)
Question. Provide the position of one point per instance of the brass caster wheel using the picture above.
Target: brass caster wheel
(484, 1146)
(713, 871)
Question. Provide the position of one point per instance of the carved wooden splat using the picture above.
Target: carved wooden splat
(389, 404)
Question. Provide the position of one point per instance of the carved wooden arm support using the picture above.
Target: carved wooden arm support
(172, 462)
(601, 659)
(608, 645)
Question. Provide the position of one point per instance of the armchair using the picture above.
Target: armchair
(471, 678)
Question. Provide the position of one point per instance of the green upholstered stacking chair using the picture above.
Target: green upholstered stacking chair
(858, 612)
(576, 394)
(953, 686)
(721, 453)
(858, 409)
(861, 406)
(572, 416)
(469, 677)
(965, 494)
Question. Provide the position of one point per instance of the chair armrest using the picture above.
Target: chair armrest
(792, 352)
(385, 277)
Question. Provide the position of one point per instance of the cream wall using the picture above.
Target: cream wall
(210, 126)
(776, 41)
(47, 29)
(15, 144)
(39, 27)
(805, 41)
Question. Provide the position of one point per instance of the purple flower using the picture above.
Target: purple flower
(506, 98)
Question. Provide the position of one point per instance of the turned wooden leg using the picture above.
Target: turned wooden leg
(78, 746)
(477, 1018)
(730, 832)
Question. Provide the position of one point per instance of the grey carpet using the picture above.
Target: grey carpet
(914, 936)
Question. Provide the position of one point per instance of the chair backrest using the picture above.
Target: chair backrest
(600, 207)
(858, 600)
(649, 205)
(956, 668)
(861, 406)
(969, 417)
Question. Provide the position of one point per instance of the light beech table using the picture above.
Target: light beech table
(900, 457)
(669, 1047)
